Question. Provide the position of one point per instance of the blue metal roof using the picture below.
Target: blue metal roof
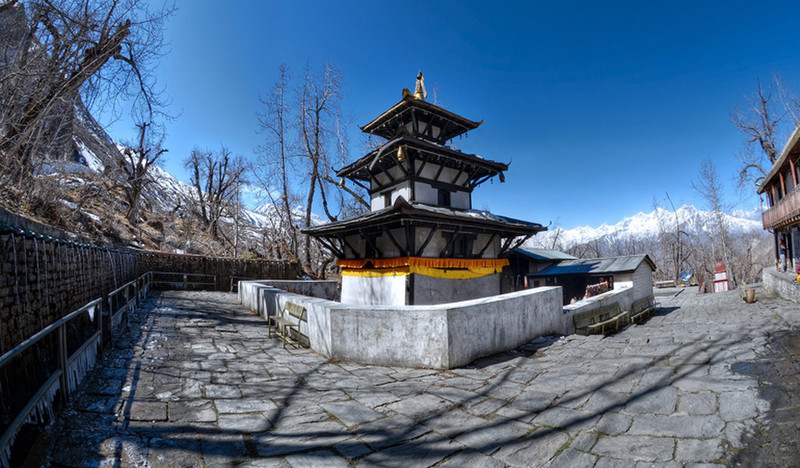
(597, 266)
(543, 254)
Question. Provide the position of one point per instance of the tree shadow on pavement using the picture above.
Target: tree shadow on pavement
(427, 432)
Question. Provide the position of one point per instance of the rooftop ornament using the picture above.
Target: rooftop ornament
(419, 89)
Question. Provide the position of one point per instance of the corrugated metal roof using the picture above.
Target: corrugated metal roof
(596, 266)
(543, 254)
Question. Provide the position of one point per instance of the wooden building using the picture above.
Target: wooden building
(779, 189)
(421, 243)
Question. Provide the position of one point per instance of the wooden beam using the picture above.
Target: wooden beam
(794, 173)
(357, 182)
(520, 241)
(450, 242)
(421, 248)
(443, 132)
(409, 238)
(330, 247)
(460, 171)
(421, 167)
(428, 128)
(400, 163)
(783, 183)
(491, 240)
(477, 182)
(347, 244)
(505, 246)
(374, 246)
(438, 173)
(396, 244)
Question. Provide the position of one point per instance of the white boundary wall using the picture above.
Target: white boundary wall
(436, 336)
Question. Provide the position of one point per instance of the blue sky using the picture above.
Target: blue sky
(601, 107)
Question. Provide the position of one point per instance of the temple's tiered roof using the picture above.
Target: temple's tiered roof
(411, 110)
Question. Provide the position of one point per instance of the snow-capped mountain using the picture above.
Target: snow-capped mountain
(649, 225)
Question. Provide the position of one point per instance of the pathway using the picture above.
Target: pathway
(198, 383)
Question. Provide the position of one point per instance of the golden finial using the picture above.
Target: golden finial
(419, 90)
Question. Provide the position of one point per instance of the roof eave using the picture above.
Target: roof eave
(787, 150)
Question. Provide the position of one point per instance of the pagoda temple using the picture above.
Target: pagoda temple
(421, 243)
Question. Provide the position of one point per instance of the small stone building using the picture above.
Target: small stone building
(632, 271)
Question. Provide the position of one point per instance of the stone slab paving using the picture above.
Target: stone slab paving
(196, 382)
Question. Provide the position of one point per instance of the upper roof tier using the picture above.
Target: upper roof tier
(385, 157)
(416, 117)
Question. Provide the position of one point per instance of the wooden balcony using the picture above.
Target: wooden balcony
(785, 212)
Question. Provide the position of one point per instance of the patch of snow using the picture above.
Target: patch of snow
(88, 157)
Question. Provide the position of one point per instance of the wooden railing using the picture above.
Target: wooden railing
(785, 211)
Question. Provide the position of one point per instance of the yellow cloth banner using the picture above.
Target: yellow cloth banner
(453, 272)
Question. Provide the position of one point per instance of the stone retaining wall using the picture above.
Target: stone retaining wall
(439, 336)
(781, 284)
(48, 273)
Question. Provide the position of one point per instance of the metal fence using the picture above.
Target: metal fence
(178, 280)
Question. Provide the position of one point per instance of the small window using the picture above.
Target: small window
(444, 197)
(387, 199)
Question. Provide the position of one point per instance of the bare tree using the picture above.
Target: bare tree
(305, 136)
(216, 178)
(761, 124)
(135, 165)
(274, 123)
(709, 187)
(319, 119)
(63, 50)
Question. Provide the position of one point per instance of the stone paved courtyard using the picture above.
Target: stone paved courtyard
(197, 382)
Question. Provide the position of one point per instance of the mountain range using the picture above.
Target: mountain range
(648, 226)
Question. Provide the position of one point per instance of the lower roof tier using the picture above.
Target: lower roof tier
(403, 211)
(416, 229)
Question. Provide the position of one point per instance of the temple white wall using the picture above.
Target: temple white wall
(491, 251)
(388, 247)
(386, 290)
(425, 193)
(435, 336)
(402, 189)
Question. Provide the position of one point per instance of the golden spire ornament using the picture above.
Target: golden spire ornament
(419, 89)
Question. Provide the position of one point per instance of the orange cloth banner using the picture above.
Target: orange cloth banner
(425, 262)
(450, 268)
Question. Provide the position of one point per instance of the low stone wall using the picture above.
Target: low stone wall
(622, 296)
(781, 284)
(322, 289)
(436, 336)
